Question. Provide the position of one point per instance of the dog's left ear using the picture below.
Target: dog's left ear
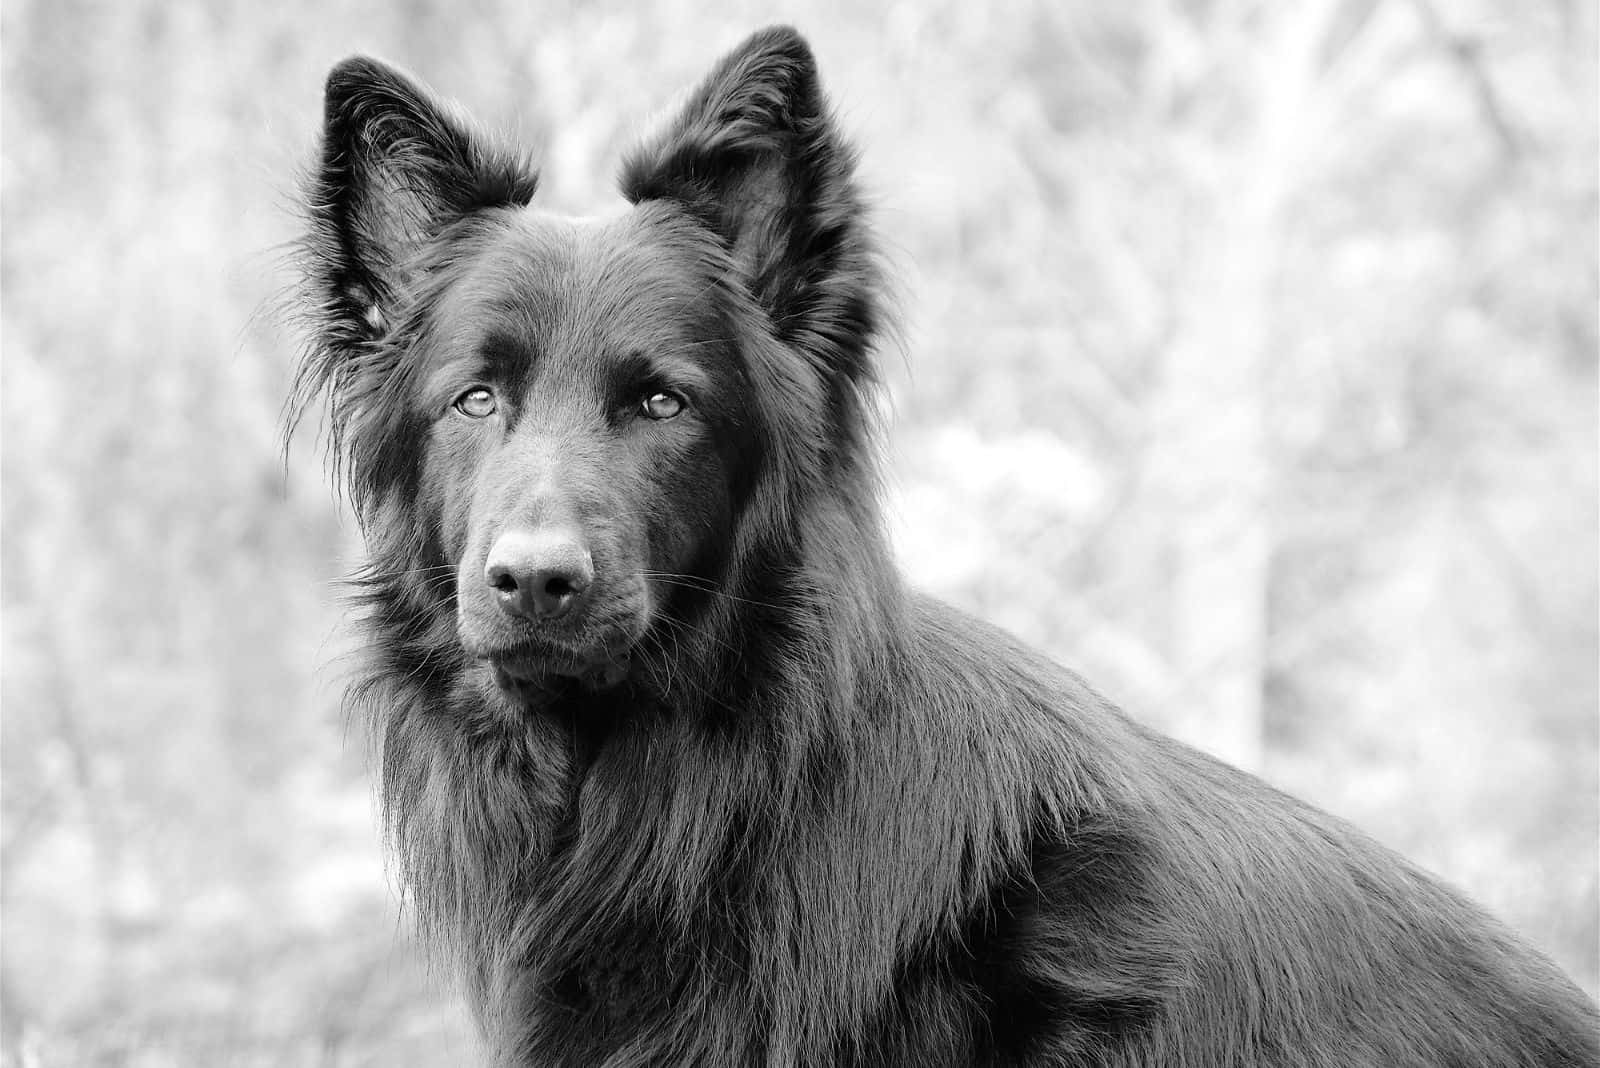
(756, 157)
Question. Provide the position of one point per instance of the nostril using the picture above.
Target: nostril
(554, 592)
(503, 580)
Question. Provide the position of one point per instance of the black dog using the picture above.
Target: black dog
(676, 768)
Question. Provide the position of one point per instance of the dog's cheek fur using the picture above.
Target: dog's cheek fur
(450, 482)
(686, 492)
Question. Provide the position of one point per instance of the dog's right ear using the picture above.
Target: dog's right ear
(397, 168)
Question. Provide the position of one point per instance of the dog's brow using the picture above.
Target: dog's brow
(637, 366)
(498, 358)
(505, 359)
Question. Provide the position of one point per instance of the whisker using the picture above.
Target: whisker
(676, 629)
(450, 568)
(682, 627)
(692, 582)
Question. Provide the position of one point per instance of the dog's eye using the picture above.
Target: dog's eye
(478, 403)
(661, 405)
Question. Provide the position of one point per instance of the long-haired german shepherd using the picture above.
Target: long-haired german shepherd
(676, 769)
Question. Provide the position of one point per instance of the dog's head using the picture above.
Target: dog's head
(583, 424)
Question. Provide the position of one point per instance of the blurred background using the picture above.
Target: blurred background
(1248, 365)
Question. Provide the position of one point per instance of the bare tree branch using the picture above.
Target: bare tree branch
(1467, 55)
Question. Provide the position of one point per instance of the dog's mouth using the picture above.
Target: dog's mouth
(526, 671)
(596, 652)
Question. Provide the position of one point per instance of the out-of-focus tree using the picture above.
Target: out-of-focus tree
(1296, 396)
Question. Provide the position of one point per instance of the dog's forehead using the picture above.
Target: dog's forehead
(580, 254)
(563, 272)
(552, 292)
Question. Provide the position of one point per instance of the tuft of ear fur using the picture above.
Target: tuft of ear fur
(756, 157)
(397, 167)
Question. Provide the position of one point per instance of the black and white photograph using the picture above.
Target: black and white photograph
(881, 535)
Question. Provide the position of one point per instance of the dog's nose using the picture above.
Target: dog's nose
(538, 574)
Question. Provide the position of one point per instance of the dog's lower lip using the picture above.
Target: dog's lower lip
(528, 668)
(518, 669)
(601, 670)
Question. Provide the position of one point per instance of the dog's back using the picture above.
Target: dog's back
(1165, 908)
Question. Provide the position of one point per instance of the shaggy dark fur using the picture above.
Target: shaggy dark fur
(676, 769)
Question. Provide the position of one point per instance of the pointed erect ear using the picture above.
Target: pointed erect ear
(756, 157)
(397, 167)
